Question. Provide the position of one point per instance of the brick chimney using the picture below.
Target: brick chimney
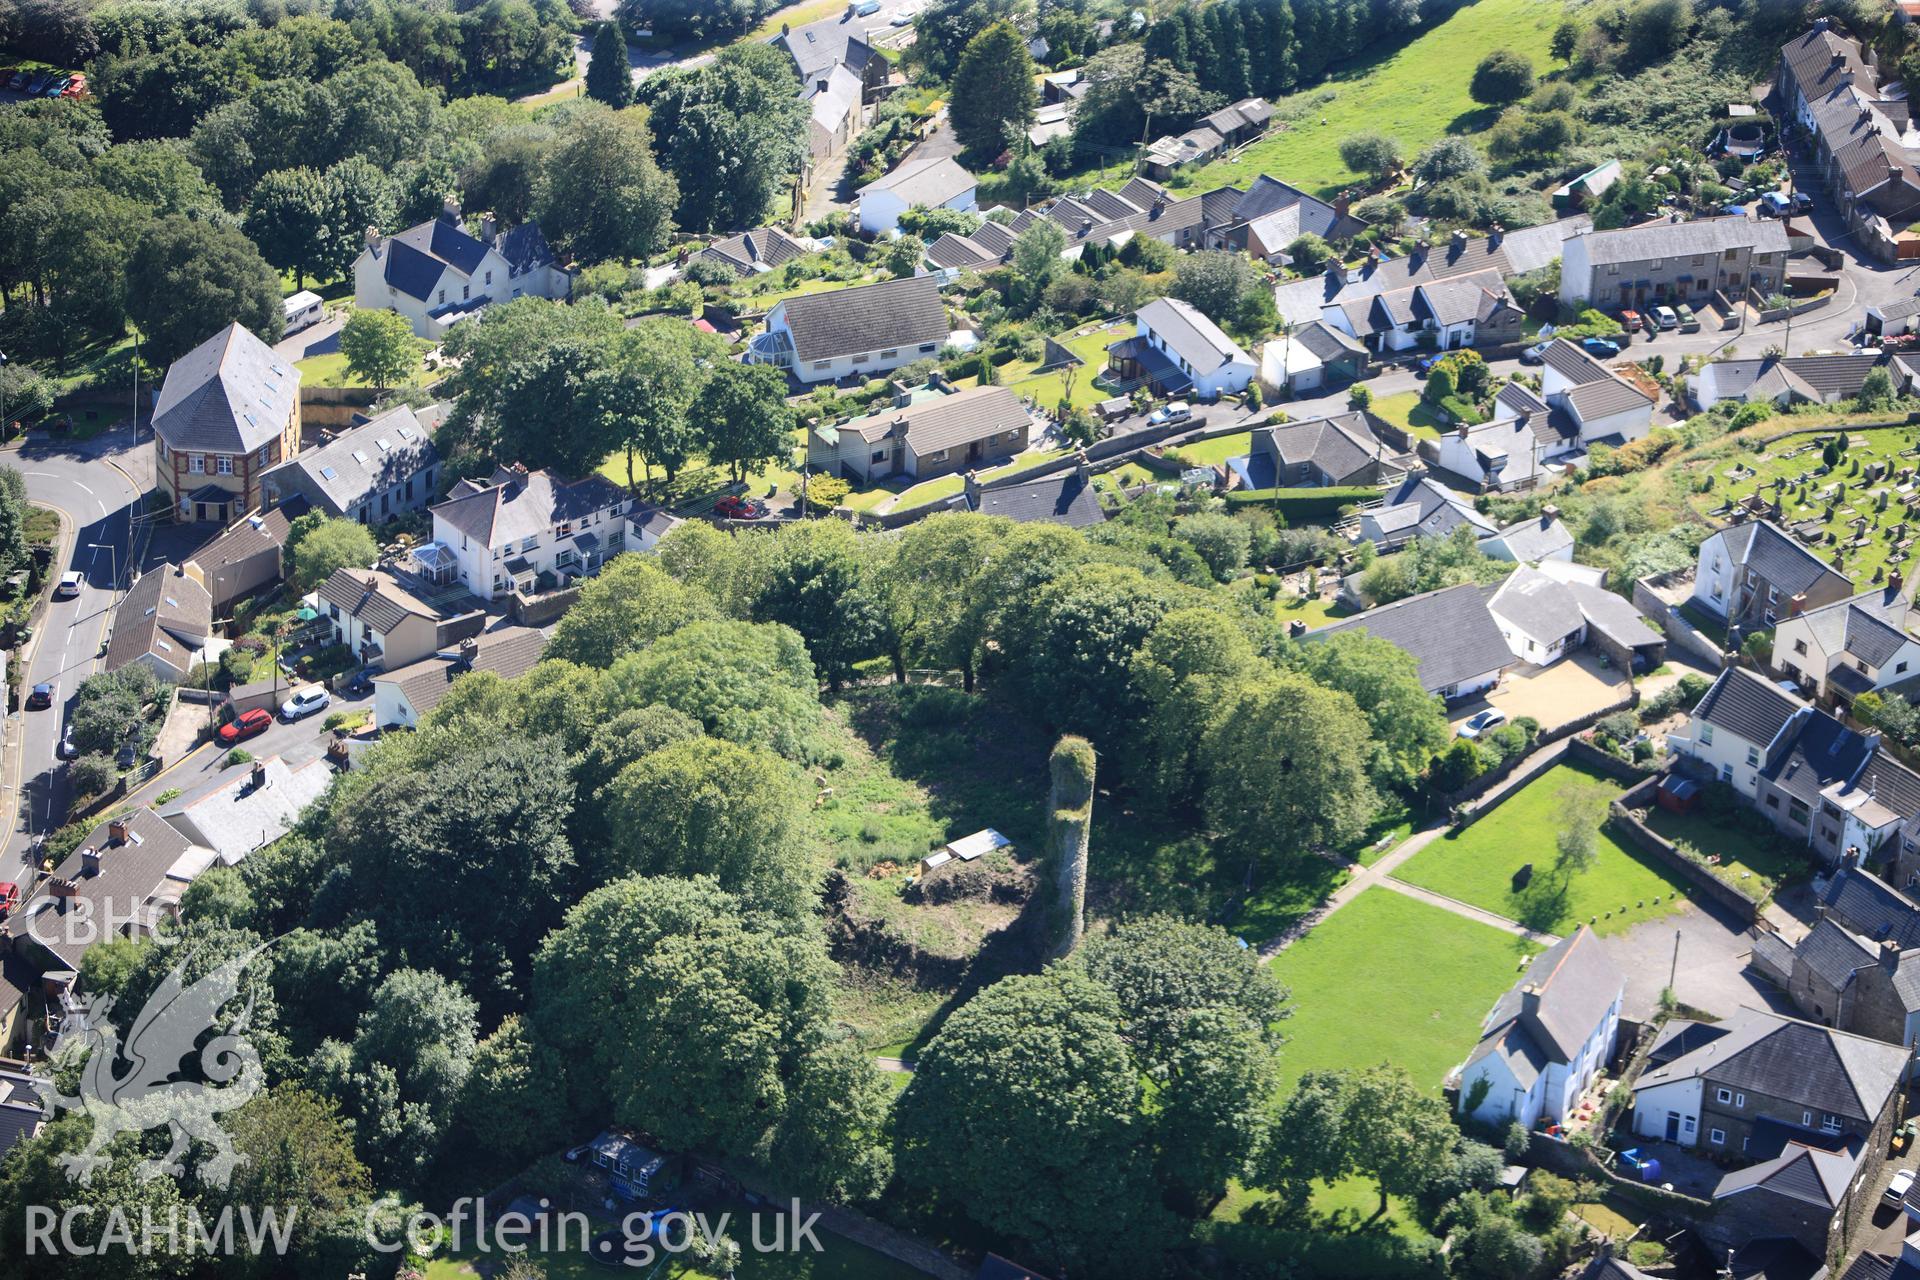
(469, 651)
(117, 831)
(1894, 581)
(1341, 203)
(450, 209)
(1797, 605)
(89, 862)
(67, 888)
(375, 241)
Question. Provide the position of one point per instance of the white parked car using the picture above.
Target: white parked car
(1178, 411)
(1483, 723)
(1897, 1189)
(305, 702)
(1537, 353)
(1666, 317)
(69, 587)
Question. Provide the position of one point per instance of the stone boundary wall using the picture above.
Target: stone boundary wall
(1663, 851)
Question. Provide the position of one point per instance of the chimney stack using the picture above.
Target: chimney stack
(488, 228)
(374, 239)
(1459, 237)
(1495, 235)
(820, 86)
(1851, 858)
(1080, 467)
(89, 862)
(971, 483)
(259, 775)
(1797, 605)
(1548, 514)
(1894, 581)
(1889, 955)
(69, 888)
(450, 209)
(117, 831)
(469, 651)
(1530, 999)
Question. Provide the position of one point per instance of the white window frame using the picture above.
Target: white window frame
(223, 465)
(1718, 1137)
(196, 464)
(1723, 1095)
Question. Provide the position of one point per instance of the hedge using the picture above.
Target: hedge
(1303, 504)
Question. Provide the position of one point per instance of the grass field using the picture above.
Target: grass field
(1835, 500)
(1477, 866)
(1390, 979)
(1416, 93)
(1410, 413)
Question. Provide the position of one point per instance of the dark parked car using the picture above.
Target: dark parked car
(41, 697)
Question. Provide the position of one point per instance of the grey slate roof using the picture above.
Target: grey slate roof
(767, 246)
(1190, 334)
(1686, 239)
(130, 874)
(942, 422)
(1574, 364)
(1870, 638)
(1869, 906)
(868, 317)
(1602, 399)
(231, 394)
(1422, 504)
(1340, 446)
(1747, 706)
(1824, 752)
(365, 461)
(1327, 342)
(925, 182)
(232, 817)
(1449, 632)
(1761, 546)
(1819, 1068)
(1573, 984)
(166, 614)
(376, 598)
(512, 506)
(509, 652)
(1533, 540)
(1066, 498)
(1833, 953)
(1800, 1172)
(1541, 606)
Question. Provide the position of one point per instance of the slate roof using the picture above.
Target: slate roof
(1869, 906)
(1747, 705)
(868, 317)
(132, 878)
(1816, 378)
(1833, 954)
(1775, 1258)
(1574, 364)
(231, 394)
(1591, 401)
(1067, 498)
(1685, 239)
(1449, 632)
(956, 418)
(1476, 295)
(1190, 335)
(1327, 342)
(1761, 546)
(1340, 446)
(1533, 540)
(1870, 638)
(166, 614)
(839, 40)
(1548, 607)
(511, 506)
(374, 597)
(1819, 1068)
(232, 817)
(509, 652)
(1878, 1266)
(1682, 1036)
(365, 461)
(1821, 60)
(21, 1111)
(767, 246)
(1800, 1172)
(249, 536)
(925, 182)
(1563, 996)
(1424, 505)
(1521, 400)
(1829, 623)
(1823, 753)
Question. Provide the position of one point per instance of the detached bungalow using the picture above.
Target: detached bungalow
(1181, 353)
(865, 330)
(1321, 452)
(939, 183)
(1449, 632)
(1780, 381)
(958, 431)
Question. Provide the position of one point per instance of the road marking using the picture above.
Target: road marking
(83, 488)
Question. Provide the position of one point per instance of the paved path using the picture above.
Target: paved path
(1381, 873)
(899, 1066)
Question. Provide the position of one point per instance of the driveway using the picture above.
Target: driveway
(1711, 973)
(315, 340)
(1569, 689)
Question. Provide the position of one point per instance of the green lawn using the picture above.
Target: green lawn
(1733, 473)
(1477, 866)
(1411, 413)
(1744, 856)
(1416, 92)
(1219, 449)
(1316, 613)
(1389, 979)
(330, 370)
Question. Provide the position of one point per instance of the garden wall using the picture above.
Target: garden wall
(1639, 833)
(1680, 633)
(1569, 1161)
(537, 611)
(1543, 757)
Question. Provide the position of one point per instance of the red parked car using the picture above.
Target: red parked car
(734, 508)
(1631, 320)
(249, 724)
(9, 897)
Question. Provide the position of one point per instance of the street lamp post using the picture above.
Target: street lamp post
(113, 565)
